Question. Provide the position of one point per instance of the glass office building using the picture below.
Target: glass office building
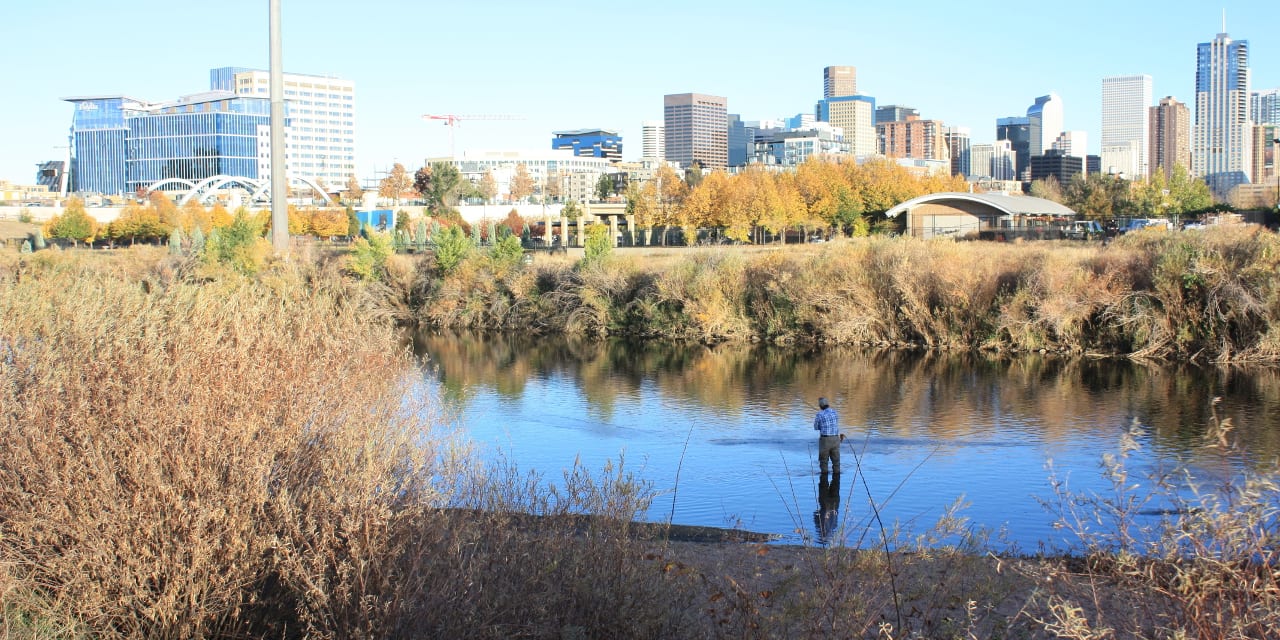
(122, 144)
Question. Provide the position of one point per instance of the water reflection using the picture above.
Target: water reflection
(827, 518)
(975, 426)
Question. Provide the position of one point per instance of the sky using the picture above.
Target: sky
(574, 64)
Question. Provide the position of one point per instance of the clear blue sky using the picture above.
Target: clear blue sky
(577, 64)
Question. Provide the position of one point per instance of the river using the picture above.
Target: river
(927, 430)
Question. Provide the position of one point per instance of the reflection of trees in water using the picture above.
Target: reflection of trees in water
(934, 395)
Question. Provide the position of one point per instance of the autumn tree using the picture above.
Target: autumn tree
(397, 183)
(514, 222)
(1048, 188)
(166, 210)
(521, 184)
(487, 189)
(671, 191)
(354, 193)
(74, 224)
(555, 187)
(219, 217)
(328, 222)
(192, 215)
(137, 221)
(642, 206)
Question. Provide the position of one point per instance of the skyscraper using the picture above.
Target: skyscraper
(697, 130)
(652, 141)
(1170, 136)
(1264, 106)
(958, 144)
(1125, 100)
(838, 82)
(1072, 143)
(1017, 130)
(1045, 120)
(1221, 144)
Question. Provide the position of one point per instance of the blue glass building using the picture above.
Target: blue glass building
(590, 143)
(121, 143)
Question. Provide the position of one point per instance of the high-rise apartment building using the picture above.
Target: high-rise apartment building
(320, 138)
(838, 82)
(697, 130)
(994, 161)
(1264, 106)
(1170, 136)
(958, 143)
(1017, 130)
(652, 141)
(913, 138)
(1125, 124)
(1222, 139)
(1045, 121)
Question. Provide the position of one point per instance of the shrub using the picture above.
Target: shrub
(239, 245)
(598, 245)
(368, 259)
(451, 246)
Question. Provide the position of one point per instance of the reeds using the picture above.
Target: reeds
(1207, 296)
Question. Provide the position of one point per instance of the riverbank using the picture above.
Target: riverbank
(1180, 296)
(195, 452)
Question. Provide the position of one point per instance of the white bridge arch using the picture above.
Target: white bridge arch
(259, 189)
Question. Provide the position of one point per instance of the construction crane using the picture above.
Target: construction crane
(451, 120)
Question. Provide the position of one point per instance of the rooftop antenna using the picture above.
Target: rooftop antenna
(1224, 19)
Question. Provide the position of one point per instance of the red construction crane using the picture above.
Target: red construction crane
(451, 120)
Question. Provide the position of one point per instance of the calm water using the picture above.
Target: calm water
(736, 423)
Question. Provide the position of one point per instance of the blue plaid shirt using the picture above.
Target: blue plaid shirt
(827, 423)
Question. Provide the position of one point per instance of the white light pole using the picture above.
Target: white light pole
(279, 185)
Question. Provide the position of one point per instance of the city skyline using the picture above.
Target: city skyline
(510, 59)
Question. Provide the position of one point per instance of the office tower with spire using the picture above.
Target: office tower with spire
(1221, 143)
(1126, 125)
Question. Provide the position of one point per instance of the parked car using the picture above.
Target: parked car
(1135, 224)
(1084, 230)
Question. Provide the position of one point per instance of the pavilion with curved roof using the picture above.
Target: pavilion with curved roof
(979, 215)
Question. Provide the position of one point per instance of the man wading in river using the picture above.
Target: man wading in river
(827, 424)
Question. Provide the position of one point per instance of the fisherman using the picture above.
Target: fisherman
(827, 424)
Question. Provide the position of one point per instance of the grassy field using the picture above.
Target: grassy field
(195, 452)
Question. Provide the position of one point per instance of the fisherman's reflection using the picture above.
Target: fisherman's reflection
(827, 517)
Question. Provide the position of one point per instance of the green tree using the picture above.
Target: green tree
(402, 220)
(369, 254)
(598, 245)
(1098, 196)
(441, 186)
(506, 253)
(451, 246)
(693, 175)
(175, 242)
(239, 244)
(353, 223)
(604, 187)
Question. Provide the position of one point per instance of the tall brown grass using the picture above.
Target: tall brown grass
(1208, 295)
(190, 455)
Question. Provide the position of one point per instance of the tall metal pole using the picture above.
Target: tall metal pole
(279, 184)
